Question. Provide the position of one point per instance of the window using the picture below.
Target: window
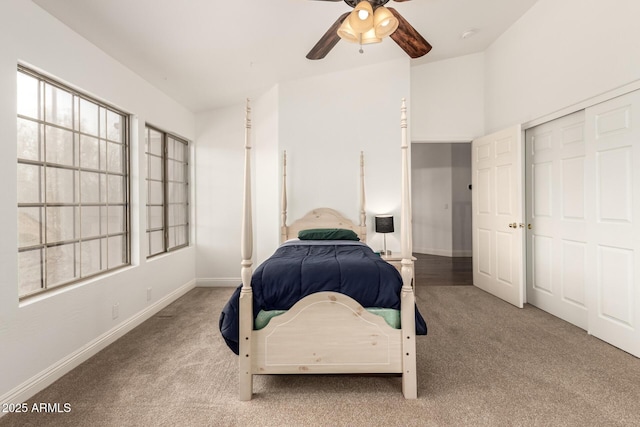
(73, 185)
(167, 191)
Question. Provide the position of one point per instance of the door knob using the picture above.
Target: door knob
(513, 225)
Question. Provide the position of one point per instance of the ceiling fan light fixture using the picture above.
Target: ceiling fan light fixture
(361, 19)
(384, 22)
(389, 22)
(346, 33)
(370, 37)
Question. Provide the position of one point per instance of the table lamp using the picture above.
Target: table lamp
(384, 225)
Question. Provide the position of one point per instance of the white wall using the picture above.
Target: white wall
(560, 53)
(44, 337)
(267, 174)
(447, 100)
(219, 165)
(431, 198)
(461, 213)
(325, 121)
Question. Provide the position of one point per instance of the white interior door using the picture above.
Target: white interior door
(613, 231)
(557, 218)
(497, 202)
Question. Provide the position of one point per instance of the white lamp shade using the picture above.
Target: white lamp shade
(361, 19)
(384, 22)
(347, 33)
(370, 37)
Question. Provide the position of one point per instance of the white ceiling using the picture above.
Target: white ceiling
(211, 53)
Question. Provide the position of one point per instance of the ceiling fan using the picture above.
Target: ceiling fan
(369, 22)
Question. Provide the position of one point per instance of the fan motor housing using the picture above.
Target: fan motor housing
(374, 3)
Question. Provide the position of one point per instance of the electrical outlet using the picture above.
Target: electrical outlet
(148, 294)
(115, 311)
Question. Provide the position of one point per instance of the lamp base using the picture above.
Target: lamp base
(384, 251)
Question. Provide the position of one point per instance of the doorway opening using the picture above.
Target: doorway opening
(441, 210)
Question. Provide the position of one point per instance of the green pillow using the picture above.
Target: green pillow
(327, 234)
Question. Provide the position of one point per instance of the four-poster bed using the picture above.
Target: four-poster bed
(328, 329)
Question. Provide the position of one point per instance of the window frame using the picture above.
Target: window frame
(166, 202)
(77, 168)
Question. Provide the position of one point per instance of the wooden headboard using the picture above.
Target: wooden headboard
(321, 217)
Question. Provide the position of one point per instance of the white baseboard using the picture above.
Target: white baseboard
(443, 252)
(220, 282)
(54, 372)
(462, 253)
(431, 251)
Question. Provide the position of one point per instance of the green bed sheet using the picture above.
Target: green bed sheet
(391, 316)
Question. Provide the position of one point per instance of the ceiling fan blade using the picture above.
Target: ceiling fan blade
(408, 38)
(328, 41)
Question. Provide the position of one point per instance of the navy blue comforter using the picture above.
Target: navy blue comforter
(301, 268)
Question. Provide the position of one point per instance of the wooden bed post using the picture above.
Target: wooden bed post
(246, 294)
(283, 214)
(407, 301)
(363, 213)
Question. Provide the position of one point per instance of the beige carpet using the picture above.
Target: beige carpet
(483, 363)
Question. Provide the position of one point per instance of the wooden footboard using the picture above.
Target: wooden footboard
(326, 332)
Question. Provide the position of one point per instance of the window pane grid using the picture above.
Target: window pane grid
(73, 219)
(167, 192)
(71, 168)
